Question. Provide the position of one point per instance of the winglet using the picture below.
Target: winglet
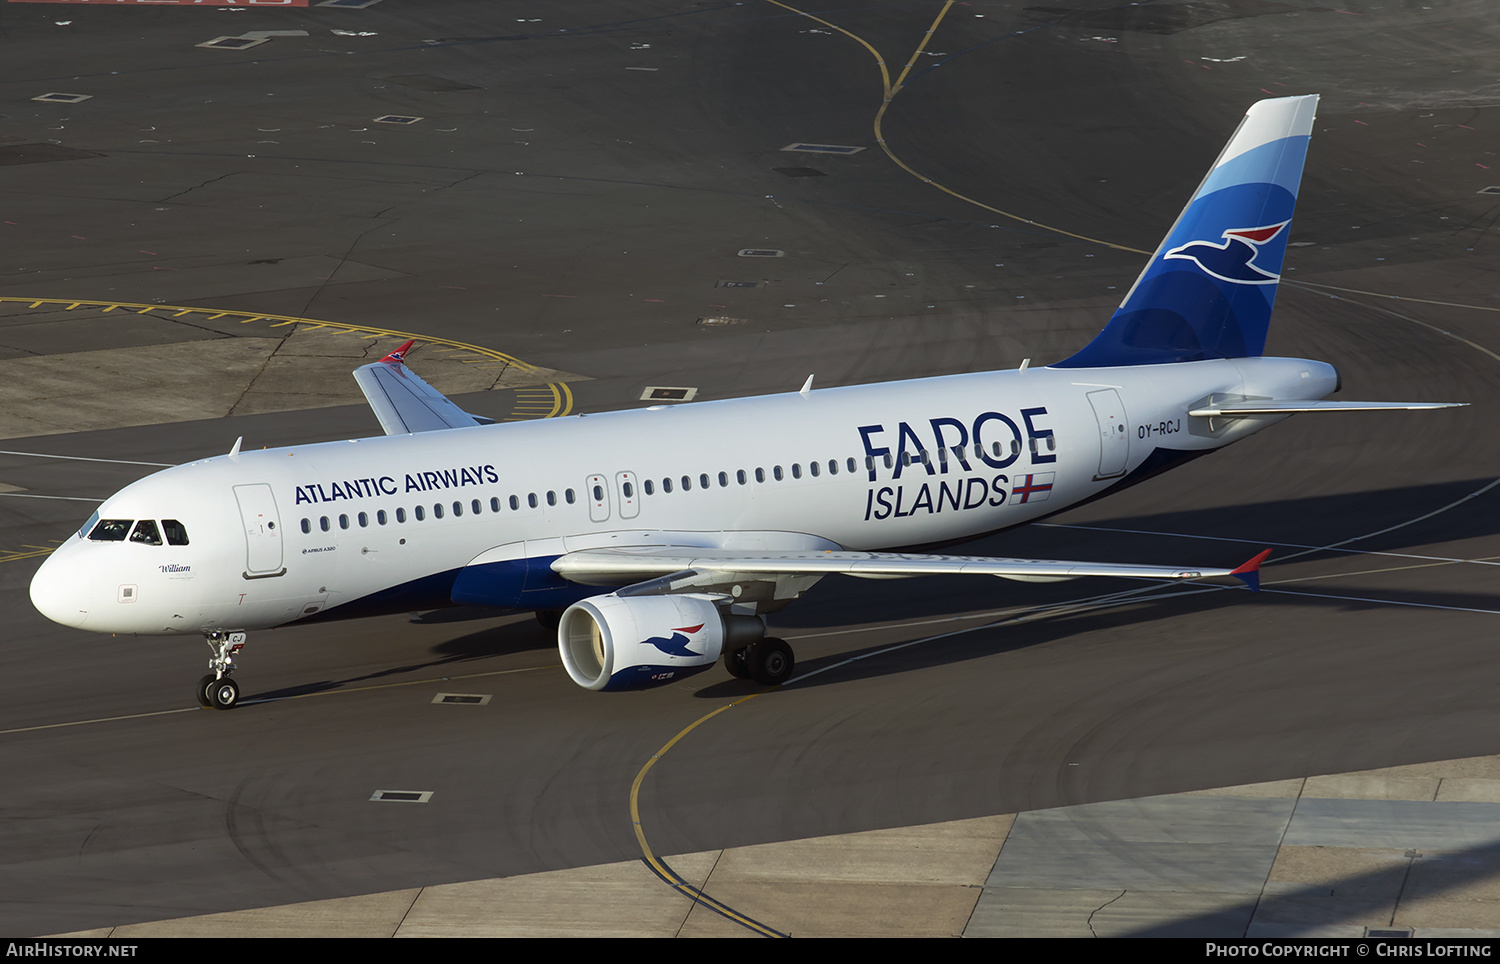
(398, 357)
(1249, 573)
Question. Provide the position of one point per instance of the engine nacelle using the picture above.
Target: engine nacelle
(630, 642)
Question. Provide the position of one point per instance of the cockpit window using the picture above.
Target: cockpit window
(176, 532)
(147, 533)
(87, 527)
(111, 530)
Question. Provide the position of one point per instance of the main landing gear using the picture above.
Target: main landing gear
(767, 660)
(217, 689)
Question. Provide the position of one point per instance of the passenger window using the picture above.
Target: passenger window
(628, 489)
(476, 506)
(776, 471)
(146, 533)
(515, 503)
(740, 476)
(458, 509)
(323, 523)
(343, 522)
(648, 484)
(437, 510)
(833, 466)
(495, 503)
(380, 517)
(687, 484)
(568, 494)
(551, 497)
(306, 526)
(703, 481)
(364, 520)
(796, 470)
(851, 464)
(531, 499)
(760, 475)
(419, 513)
(400, 515)
(666, 485)
(813, 468)
(111, 530)
(598, 493)
(175, 531)
(723, 480)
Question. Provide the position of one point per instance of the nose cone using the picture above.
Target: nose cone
(60, 590)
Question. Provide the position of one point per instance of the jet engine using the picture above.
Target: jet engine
(617, 642)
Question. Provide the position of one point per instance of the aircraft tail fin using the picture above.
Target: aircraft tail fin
(1207, 292)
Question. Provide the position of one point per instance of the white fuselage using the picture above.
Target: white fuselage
(389, 523)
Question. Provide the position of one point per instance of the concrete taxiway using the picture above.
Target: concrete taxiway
(600, 199)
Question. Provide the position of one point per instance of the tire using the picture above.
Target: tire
(770, 661)
(203, 684)
(734, 661)
(224, 694)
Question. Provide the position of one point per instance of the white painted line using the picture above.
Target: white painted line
(84, 458)
(65, 498)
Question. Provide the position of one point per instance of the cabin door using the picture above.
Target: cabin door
(1114, 438)
(262, 529)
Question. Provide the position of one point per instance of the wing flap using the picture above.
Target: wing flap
(626, 565)
(1240, 409)
(404, 403)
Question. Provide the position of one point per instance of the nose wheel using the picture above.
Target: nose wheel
(220, 694)
(216, 689)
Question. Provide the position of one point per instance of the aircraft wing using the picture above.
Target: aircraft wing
(404, 403)
(672, 569)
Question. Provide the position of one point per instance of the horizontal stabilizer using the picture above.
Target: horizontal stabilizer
(404, 403)
(1240, 409)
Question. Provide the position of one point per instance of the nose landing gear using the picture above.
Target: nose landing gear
(217, 689)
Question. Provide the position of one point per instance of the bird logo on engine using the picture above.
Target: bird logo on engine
(677, 644)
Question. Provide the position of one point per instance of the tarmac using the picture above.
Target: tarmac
(1411, 851)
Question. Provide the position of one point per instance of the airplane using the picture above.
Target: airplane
(658, 540)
